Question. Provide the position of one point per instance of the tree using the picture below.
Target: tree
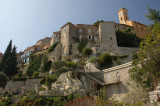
(146, 69)
(97, 23)
(105, 60)
(86, 52)
(154, 15)
(58, 65)
(9, 61)
(5, 56)
(3, 80)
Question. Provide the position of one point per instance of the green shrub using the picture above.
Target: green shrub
(3, 80)
(93, 59)
(19, 74)
(53, 47)
(81, 45)
(34, 64)
(67, 58)
(36, 74)
(86, 52)
(46, 64)
(134, 56)
(105, 60)
(58, 65)
(71, 65)
(127, 39)
(19, 79)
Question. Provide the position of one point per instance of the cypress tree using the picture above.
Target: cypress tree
(5, 57)
(9, 62)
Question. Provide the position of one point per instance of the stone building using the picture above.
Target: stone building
(100, 39)
(139, 29)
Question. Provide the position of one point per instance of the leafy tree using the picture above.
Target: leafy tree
(97, 23)
(86, 52)
(36, 74)
(146, 69)
(154, 15)
(3, 80)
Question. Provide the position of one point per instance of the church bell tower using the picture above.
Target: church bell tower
(123, 15)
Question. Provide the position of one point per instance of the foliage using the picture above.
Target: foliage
(67, 59)
(19, 74)
(105, 60)
(19, 79)
(36, 74)
(127, 39)
(97, 23)
(93, 59)
(71, 65)
(34, 64)
(81, 45)
(9, 63)
(3, 80)
(46, 64)
(145, 69)
(154, 15)
(86, 52)
(134, 56)
(53, 47)
(43, 101)
(58, 65)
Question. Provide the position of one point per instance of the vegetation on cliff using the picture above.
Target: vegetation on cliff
(127, 38)
(81, 45)
(146, 69)
(53, 47)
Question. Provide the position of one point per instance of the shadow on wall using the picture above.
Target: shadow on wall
(116, 89)
(97, 75)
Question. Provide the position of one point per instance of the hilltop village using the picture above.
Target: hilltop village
(84, 74)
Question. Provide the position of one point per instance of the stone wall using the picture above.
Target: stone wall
(29, 85)
(128, 50)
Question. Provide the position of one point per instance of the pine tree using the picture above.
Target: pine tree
(6, 56)
(9, 62)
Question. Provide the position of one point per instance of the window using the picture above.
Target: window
(110, 38)
(126, 18)
(80, 30)
(95, 38)
(89, 37)
(142, 28)
(108, 77)
(80, 37)
(64, 28)
(121, 18)
(89, 30)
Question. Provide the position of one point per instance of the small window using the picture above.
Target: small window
(80, 37)
(95, 38)
(110, 38)
(89, 30)
(80, 30)
(121, 18)
(142, 28)
(64, 29)
(126, 18)
(89, 37)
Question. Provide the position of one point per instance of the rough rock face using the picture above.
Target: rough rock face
(66, 85)
(44, 43)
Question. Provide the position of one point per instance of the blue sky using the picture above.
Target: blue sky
(27, 21)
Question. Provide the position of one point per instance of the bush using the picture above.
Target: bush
(134, 56)
(105, 60)
(46, 64)
(81, 46)
(71, 65)
(3, 80)
(86, 52)
(93, 59)
(67, 58)
(34, 64)
(58, 65)
(53, 47)
(36, 74)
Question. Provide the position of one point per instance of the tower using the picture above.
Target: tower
(123, 15)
